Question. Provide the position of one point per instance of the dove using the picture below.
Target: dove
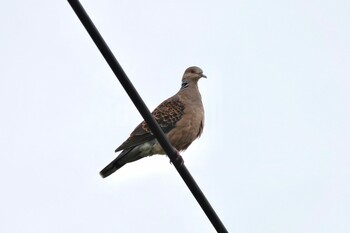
(181, 117)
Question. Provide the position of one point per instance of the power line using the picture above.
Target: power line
(173, 154)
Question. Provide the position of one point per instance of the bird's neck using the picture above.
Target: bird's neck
(188, 85)
(190, 92)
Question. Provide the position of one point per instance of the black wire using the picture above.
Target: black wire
(174, 156)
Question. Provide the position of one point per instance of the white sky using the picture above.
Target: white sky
(274, 155)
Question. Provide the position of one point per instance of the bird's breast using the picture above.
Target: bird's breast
(188, 128)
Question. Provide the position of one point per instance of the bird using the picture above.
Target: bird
(181, 117)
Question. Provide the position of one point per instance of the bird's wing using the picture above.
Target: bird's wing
(167, 114)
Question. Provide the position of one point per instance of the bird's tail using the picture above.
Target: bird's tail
(117, 163)
(110, 168)
(126, 156)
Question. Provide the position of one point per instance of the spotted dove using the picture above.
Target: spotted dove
(181, 117)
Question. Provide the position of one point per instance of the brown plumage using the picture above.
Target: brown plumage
(181, 118)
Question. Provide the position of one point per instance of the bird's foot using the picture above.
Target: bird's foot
(178, 160)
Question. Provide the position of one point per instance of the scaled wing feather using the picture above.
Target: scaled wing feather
(167, 114)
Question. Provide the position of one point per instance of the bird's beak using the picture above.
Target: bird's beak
(203, 76)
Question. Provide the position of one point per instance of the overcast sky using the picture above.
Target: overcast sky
(274, 154)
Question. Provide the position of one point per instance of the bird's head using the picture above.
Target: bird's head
(193, 74)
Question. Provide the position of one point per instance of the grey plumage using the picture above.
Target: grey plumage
(181, 118)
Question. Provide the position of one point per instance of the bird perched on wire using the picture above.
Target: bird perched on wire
(181, 117)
